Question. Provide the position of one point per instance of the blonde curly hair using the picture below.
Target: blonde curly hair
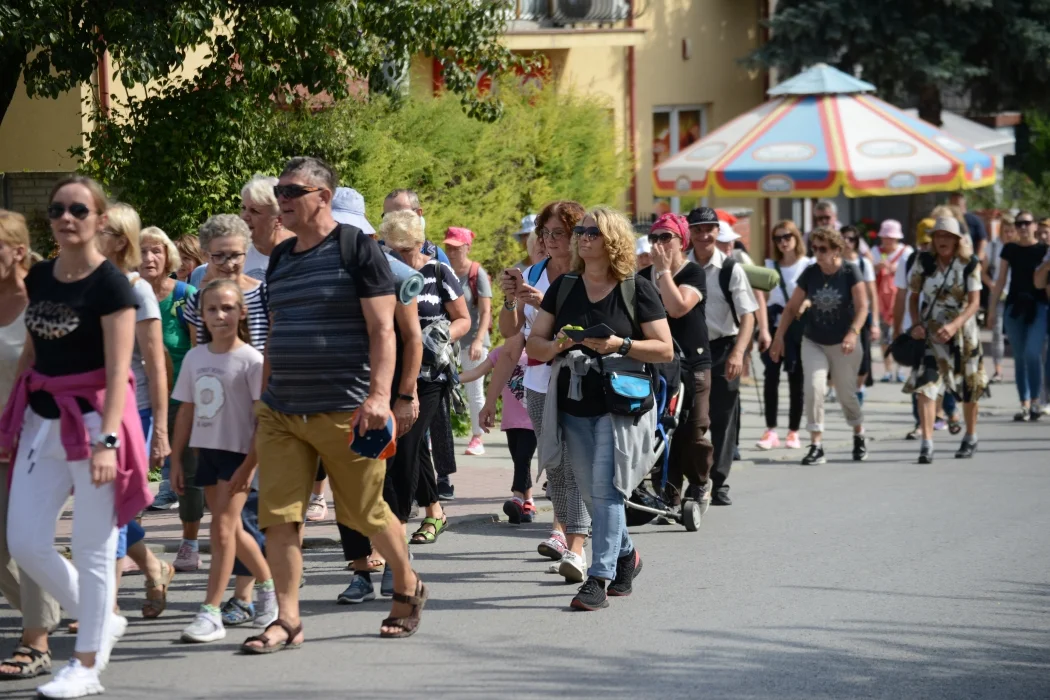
(618, 236)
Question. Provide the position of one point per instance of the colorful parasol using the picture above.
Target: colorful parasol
(818, 136)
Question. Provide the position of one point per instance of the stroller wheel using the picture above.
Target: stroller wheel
(691, 515)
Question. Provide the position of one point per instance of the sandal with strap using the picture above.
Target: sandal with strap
(39, 664)
(425, 536)
(153, 607)
(269, 647)
(407, 626)
(954, 426)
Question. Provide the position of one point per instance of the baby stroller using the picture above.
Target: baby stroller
(649, 499)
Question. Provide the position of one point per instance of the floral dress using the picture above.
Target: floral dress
(957, 365)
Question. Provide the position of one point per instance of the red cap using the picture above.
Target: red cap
(675, 223)
(456, 236)
(725, 216)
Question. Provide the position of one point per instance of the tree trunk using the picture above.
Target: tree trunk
(12, 59)
(930, 103)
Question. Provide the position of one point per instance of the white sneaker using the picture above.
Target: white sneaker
(118, 625)
(73, 681)
(206, 627)
(573, 567)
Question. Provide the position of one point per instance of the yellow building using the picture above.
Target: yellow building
(669, 70)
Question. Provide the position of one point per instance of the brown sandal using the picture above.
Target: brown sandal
(268, 647)
(407, 625)
(153, 607)
(39, 663)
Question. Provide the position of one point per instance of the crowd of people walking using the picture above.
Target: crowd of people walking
(242, 361)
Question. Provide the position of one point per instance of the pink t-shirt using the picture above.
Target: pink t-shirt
(223, 389)
(514, 413)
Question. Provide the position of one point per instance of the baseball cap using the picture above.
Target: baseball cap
(348, 207)
(642, 246)
(528, 225)
(922, 231)
(456, 236)
(702, 215)
(948, 225)
(891, 228)
(726, 234)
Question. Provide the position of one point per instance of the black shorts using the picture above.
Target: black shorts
(214, 466)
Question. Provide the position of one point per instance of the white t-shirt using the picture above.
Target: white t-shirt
(148, 309)
(12, 339)
(223, 389)
(900, 281)
(865, 270)
(537, 377)
(900, 256)
(788, 273)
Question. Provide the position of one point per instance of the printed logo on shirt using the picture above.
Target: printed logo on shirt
(827, 302)
(51, 320)
(208, 396)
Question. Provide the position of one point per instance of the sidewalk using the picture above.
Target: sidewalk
(483, 483)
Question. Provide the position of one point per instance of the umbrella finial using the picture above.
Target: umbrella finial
(822, 79)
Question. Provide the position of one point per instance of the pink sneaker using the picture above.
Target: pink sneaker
(187, 559)
(792, 442)
(474, 447)
(317, 510)
(769, 440)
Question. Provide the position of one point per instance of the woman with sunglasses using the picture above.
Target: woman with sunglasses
(609, 454)
(871, 331)
(524, 293)
(72, 414)
(1024, 313)
(682, 285)
(789, 260)
(833, 323)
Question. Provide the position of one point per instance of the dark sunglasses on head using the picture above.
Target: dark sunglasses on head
(665, 237)
(293, 191)
(821, 249)
(76, 210)
(591, 232)
(783, 237)
(1023, 222)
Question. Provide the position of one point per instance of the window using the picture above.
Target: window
(674, 129)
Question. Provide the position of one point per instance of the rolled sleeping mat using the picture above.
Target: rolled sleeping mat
(761, 278)
(409, 282)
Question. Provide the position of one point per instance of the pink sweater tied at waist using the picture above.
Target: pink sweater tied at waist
(132, 482)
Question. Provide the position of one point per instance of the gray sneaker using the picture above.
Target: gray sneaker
(265, 608)
(386, 587)
(206, 627)
(360, 590)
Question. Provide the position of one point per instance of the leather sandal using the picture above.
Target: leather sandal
(153, 607)
(407, 626)
(269, 646)
(39, 664)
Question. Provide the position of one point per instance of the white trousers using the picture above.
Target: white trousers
(41, 483)
(475, 390)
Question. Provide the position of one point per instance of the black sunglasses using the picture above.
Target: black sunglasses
(783, 237)
(591, 232)
(821, 249)
(1023, 222)
(666, 237)
(293, 191)
(76, 209)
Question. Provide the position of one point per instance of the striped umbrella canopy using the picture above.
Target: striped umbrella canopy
(818, 136)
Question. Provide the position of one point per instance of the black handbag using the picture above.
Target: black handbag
(909, 351)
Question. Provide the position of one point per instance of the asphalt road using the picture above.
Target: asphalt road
(880, 580)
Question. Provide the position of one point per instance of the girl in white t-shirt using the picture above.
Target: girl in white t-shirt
(219, 383)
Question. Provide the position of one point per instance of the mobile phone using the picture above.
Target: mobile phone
(514, 272)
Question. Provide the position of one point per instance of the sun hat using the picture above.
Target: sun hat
(642, 246)
(456, 236)
(726, 234)
(528, 225)
(701, 216)
(922, 231)
(348, 207)
(675, 223)
(891, 228)
(947, 224)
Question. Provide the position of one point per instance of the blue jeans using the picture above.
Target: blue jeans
(1026, 343)
(589, 442)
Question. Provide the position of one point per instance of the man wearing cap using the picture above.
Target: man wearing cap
(891, 253)
(528, 226)
(474, 346)
(730, 325)
(408, 200)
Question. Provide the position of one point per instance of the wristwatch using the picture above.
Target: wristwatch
(109, 441)
(510, 305)
(661, 273)
(626, 346)
(406, 397)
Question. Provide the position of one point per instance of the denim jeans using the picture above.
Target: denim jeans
(1026, 343)
(592, 458)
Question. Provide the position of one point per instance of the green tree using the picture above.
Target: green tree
(996, 51)
(281, 50)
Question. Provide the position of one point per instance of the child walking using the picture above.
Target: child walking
(507, 365)
(218, 384)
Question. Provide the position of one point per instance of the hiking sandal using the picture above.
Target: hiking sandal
(954, 426)
(269, 646)
(425, 536)
(407, 626)
(154, 606)
(39, 664)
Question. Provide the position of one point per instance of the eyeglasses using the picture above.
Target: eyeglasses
(821, 249)
(1023, 222)
(665, 237)
(555, 234)
(822, 219)
(293, 191)
(783, 237)
(76, 210)
(221, 259)
(590, 232)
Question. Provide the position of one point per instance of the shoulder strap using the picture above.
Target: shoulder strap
(725, 276)
(928, 262)
(970, 267)
(472, 281)
(783, 284)
(275, 255)
(348, 247)
(536, 271)
(911, 261)
(564, 290)
(629, 292)
(178, 295)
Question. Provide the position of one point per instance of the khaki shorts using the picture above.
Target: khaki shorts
(289, 447)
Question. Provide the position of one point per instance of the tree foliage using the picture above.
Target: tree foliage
(274, 50)
(997, 51)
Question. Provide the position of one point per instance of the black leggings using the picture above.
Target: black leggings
(441, 440)
(771, 392)
(522, 445)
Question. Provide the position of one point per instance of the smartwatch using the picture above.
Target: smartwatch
(626, 346)
(109, 441)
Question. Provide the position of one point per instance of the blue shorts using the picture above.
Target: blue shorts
(214, 466)
(128, 536)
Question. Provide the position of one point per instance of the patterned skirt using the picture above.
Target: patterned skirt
(956, 366)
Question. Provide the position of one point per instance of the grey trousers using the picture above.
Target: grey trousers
(568, 504)
(820, 361)
(39, 610)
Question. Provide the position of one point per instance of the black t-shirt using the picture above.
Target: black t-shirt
(578, 310)
(64, 319)
(690, 331)
(1023, 261)
(831, 297)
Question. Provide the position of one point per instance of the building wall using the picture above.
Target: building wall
(36, 134)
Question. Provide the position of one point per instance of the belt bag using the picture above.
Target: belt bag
(628, 393)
